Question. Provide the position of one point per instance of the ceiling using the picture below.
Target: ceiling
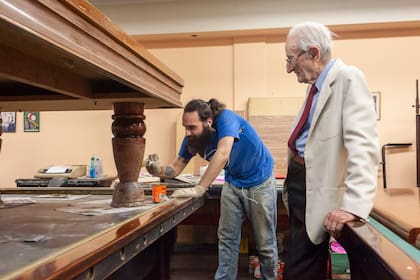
(142, 17)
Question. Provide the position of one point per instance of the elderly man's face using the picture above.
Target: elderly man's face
(301, 62)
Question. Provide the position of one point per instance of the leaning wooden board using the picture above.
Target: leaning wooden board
(273, 117)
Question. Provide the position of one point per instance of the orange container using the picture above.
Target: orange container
(158, 193)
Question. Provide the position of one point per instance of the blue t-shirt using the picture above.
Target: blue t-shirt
(250, 162)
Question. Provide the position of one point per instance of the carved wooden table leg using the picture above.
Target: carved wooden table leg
(128, 146)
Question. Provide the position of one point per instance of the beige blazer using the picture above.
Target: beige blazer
(342, 150)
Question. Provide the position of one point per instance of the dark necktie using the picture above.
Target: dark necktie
(303, 119)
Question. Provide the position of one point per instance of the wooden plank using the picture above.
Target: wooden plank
(274, 106)
(373, 256)
(20, 67)
(272, 117)
(59, 35)
(104, 23)
(67, 251)
(274, 131)
(398, 208)
(78, 104)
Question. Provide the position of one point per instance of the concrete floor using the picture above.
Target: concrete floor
(200, 262)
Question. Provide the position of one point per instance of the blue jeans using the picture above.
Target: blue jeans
(259, 204)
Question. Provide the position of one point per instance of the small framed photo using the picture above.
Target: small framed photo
(8, 123)
(377, 102)
(31, 121)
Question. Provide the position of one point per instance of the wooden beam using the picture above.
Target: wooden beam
(35, 72)
(78, 104)
(102, 22)
(344, 31)
(69, 34)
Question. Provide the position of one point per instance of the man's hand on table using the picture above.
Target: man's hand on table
(335, 220)
(196, 191)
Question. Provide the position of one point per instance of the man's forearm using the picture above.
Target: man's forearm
(215, 166)
(169, 172)
(172, 170)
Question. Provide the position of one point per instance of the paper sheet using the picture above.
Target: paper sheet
(59, 196)
(187, 178)
(15, 201)
(57, 169)
(101, 207)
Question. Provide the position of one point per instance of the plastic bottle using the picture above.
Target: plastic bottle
(92, 167)
(98, 167)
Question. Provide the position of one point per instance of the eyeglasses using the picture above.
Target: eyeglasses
(291, 62)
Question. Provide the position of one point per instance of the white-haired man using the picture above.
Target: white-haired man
(333, 151)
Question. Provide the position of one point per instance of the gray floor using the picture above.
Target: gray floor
(200, 262)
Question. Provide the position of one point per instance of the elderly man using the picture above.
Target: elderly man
(333, 151)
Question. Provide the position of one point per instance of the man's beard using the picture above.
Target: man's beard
(198, 143)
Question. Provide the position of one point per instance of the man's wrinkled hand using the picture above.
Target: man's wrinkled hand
(153, 165)
(196, 191)
(335, 220)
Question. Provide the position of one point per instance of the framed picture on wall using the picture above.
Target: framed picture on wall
(377, 102)
(31, 121)
(8, 121)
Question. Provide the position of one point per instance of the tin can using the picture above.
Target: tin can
(158, 193)
(257, 269)
(281, 269)
(251, 264)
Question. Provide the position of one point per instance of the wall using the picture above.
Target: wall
(390, 66)
(72, 137)
(231, 73)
